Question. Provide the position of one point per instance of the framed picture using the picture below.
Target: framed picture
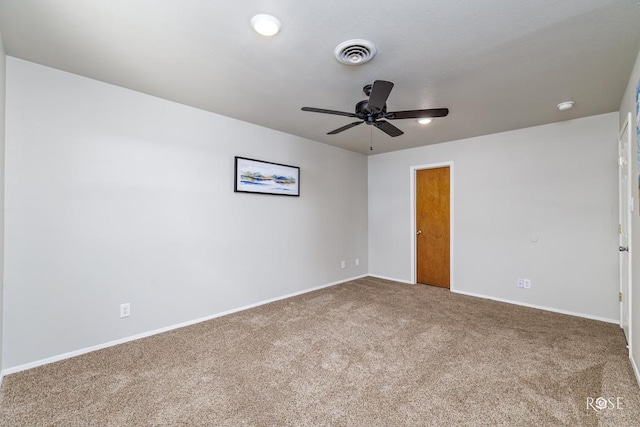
(257, 176)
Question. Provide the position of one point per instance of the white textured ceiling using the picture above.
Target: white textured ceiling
(496, 64)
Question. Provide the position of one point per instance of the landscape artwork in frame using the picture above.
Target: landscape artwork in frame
(257, 176)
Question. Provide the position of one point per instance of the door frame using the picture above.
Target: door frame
(414, 261)
(625, 132)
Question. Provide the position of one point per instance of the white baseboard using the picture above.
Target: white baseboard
(79, 352)
(539, 307)
(391, 278)
(635, 369)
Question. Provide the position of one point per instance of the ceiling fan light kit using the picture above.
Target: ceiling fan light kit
(373, 111)
(355, 52)
(266, 25)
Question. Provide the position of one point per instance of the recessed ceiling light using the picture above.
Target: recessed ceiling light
(565, 105)
(265, 25)
(425, 121)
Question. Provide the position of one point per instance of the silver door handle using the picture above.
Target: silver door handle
(419, 232)
(623, 249)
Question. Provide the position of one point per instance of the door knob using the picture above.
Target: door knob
(623, 249)
(419, 232)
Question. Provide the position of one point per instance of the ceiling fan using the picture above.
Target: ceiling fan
(372, 111)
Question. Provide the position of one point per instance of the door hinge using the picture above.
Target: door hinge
(619, 160)
(619, 228)
(620, 296)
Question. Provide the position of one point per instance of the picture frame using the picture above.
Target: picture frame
(262, 177)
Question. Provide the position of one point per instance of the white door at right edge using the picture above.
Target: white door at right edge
(625, 209)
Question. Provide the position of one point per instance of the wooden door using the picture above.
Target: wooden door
(432, 226)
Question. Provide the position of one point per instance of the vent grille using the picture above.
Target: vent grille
(355, 52)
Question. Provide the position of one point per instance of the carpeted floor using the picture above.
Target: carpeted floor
(365, 353)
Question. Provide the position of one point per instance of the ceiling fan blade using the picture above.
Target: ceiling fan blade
(379, 94)
(322, 110)
(387, 128)
(416, 114)
(343, 128)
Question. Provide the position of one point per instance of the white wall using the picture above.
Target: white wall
(558, 182)
(627, 105)
(113, 196)
(2, 138)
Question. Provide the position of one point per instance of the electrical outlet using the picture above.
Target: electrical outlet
(343, 264)
(125, 310)
(527, 283)
(520, 283)
(357, 262)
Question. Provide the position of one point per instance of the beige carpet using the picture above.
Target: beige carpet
(366, 353)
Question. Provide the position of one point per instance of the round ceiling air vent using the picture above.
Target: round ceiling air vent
(355, 52)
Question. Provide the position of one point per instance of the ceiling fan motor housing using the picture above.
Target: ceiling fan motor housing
(363, 112)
